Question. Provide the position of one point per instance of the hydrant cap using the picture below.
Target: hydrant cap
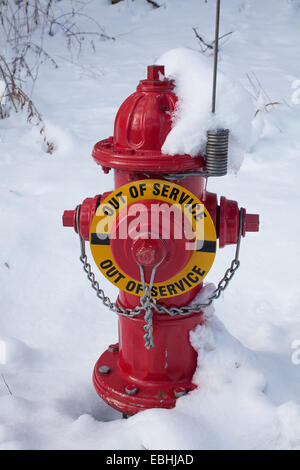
(144, 119)
(141, 126)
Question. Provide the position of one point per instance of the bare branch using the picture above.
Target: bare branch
(154, 4)
(24, 24)
(206, 44)
(6, 384)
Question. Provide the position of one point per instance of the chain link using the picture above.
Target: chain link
(147, 303)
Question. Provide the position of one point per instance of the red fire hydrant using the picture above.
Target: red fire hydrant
(154, 237)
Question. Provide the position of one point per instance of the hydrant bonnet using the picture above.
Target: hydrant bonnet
(141, 126)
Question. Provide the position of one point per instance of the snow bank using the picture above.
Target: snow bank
(232, 385)
(14, 352)
(193, 73)
(229, 410)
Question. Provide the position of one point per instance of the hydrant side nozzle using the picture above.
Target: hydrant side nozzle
(228, 222)
(87, 212)
(69, 219)
(251, 223)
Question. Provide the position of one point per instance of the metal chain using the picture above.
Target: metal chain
(148, 327)
(147, 303)
(128, 312)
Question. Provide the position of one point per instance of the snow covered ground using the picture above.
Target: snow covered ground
(52, 328)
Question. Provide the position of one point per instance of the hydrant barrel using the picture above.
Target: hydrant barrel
(129, 376)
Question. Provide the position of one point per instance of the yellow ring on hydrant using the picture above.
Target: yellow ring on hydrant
(202, 244)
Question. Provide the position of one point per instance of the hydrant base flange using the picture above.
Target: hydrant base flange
(112, 388)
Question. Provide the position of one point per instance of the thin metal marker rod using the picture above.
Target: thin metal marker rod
(216, 49)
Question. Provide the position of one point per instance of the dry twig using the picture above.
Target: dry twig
(6, 384)
(154, 4)
(206, 44)
(20, 21)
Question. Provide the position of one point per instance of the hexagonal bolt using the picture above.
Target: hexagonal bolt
(180, 391)
(146, 256)
(131, 389)
(113, 348)
(149, 251)
(104, 370)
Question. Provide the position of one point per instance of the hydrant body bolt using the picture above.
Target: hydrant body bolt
(179, 392)
(104, 370)
(131, 389)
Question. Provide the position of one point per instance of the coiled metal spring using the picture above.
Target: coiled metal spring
(217, 152)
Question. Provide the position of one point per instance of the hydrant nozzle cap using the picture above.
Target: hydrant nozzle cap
(149, 251)
(156, 72)
(69, 218)
(251, 223)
